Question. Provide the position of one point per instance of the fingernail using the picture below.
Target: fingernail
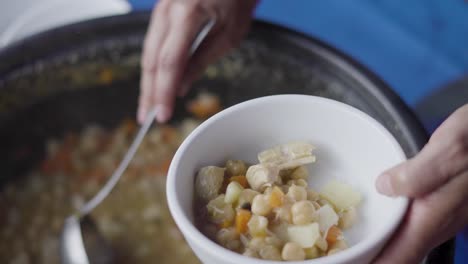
(162, 114)
(384, 186)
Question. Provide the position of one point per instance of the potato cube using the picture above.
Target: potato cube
(341, 195)
(304, 235)
(208, 182)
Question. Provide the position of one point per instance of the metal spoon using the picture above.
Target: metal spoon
(80, 241)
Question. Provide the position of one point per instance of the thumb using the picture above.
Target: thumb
(445, 156)
(417, 176)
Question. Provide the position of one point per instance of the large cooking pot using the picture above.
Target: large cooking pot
(66, 78)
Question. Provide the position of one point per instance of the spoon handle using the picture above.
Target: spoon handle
(110, 184)
(89, 206)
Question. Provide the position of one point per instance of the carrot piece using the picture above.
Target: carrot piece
(164, 166)
(276, 197)
(98, 174)
(151, 169)
(168, 134)
(106, 76)
(129, 126)
(158, 169)
(204, 106)
(225, 224)
(103, 142)
(61, 161)
(241, 179)
(242, 218)
(334, 234)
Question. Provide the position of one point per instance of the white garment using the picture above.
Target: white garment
(21, 18)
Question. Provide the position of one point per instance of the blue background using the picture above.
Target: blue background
(415, 46)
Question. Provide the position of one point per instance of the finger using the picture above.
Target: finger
(453, 123)
(186, 22)
(415, 177)
(224, 36)
(435, 165)
(158, 27)
(144, 100)
(216, 45)
(407, 236)
(211, 49)
(152, 43)
(430, 221)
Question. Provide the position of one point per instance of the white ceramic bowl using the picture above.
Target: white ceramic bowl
(350, 146)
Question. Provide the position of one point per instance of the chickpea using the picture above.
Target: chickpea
(303, 212)
(321, 244)
(292, 251)
(298, 182)
(316, 205)
(257, 225)
(312, 195)
(312, 252)
(300, 173)
(244, 239)
(297, 193)
(281, 231)
(219, 211)
(208, 182)
(233, 245)
(278, 202)
(270, 252)
(301, 182)
(260, 205)
(274, 241)
(283, 213)
(257, 243)
(284, 188)
(267, 190)
(228, 213)
(338, 246)
(348, 218)
(247, 196)
(323, 202)
(251, 253)
(236, 167)
(228, 238)
(333, 251)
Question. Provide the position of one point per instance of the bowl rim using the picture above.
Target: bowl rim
(193, 234)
